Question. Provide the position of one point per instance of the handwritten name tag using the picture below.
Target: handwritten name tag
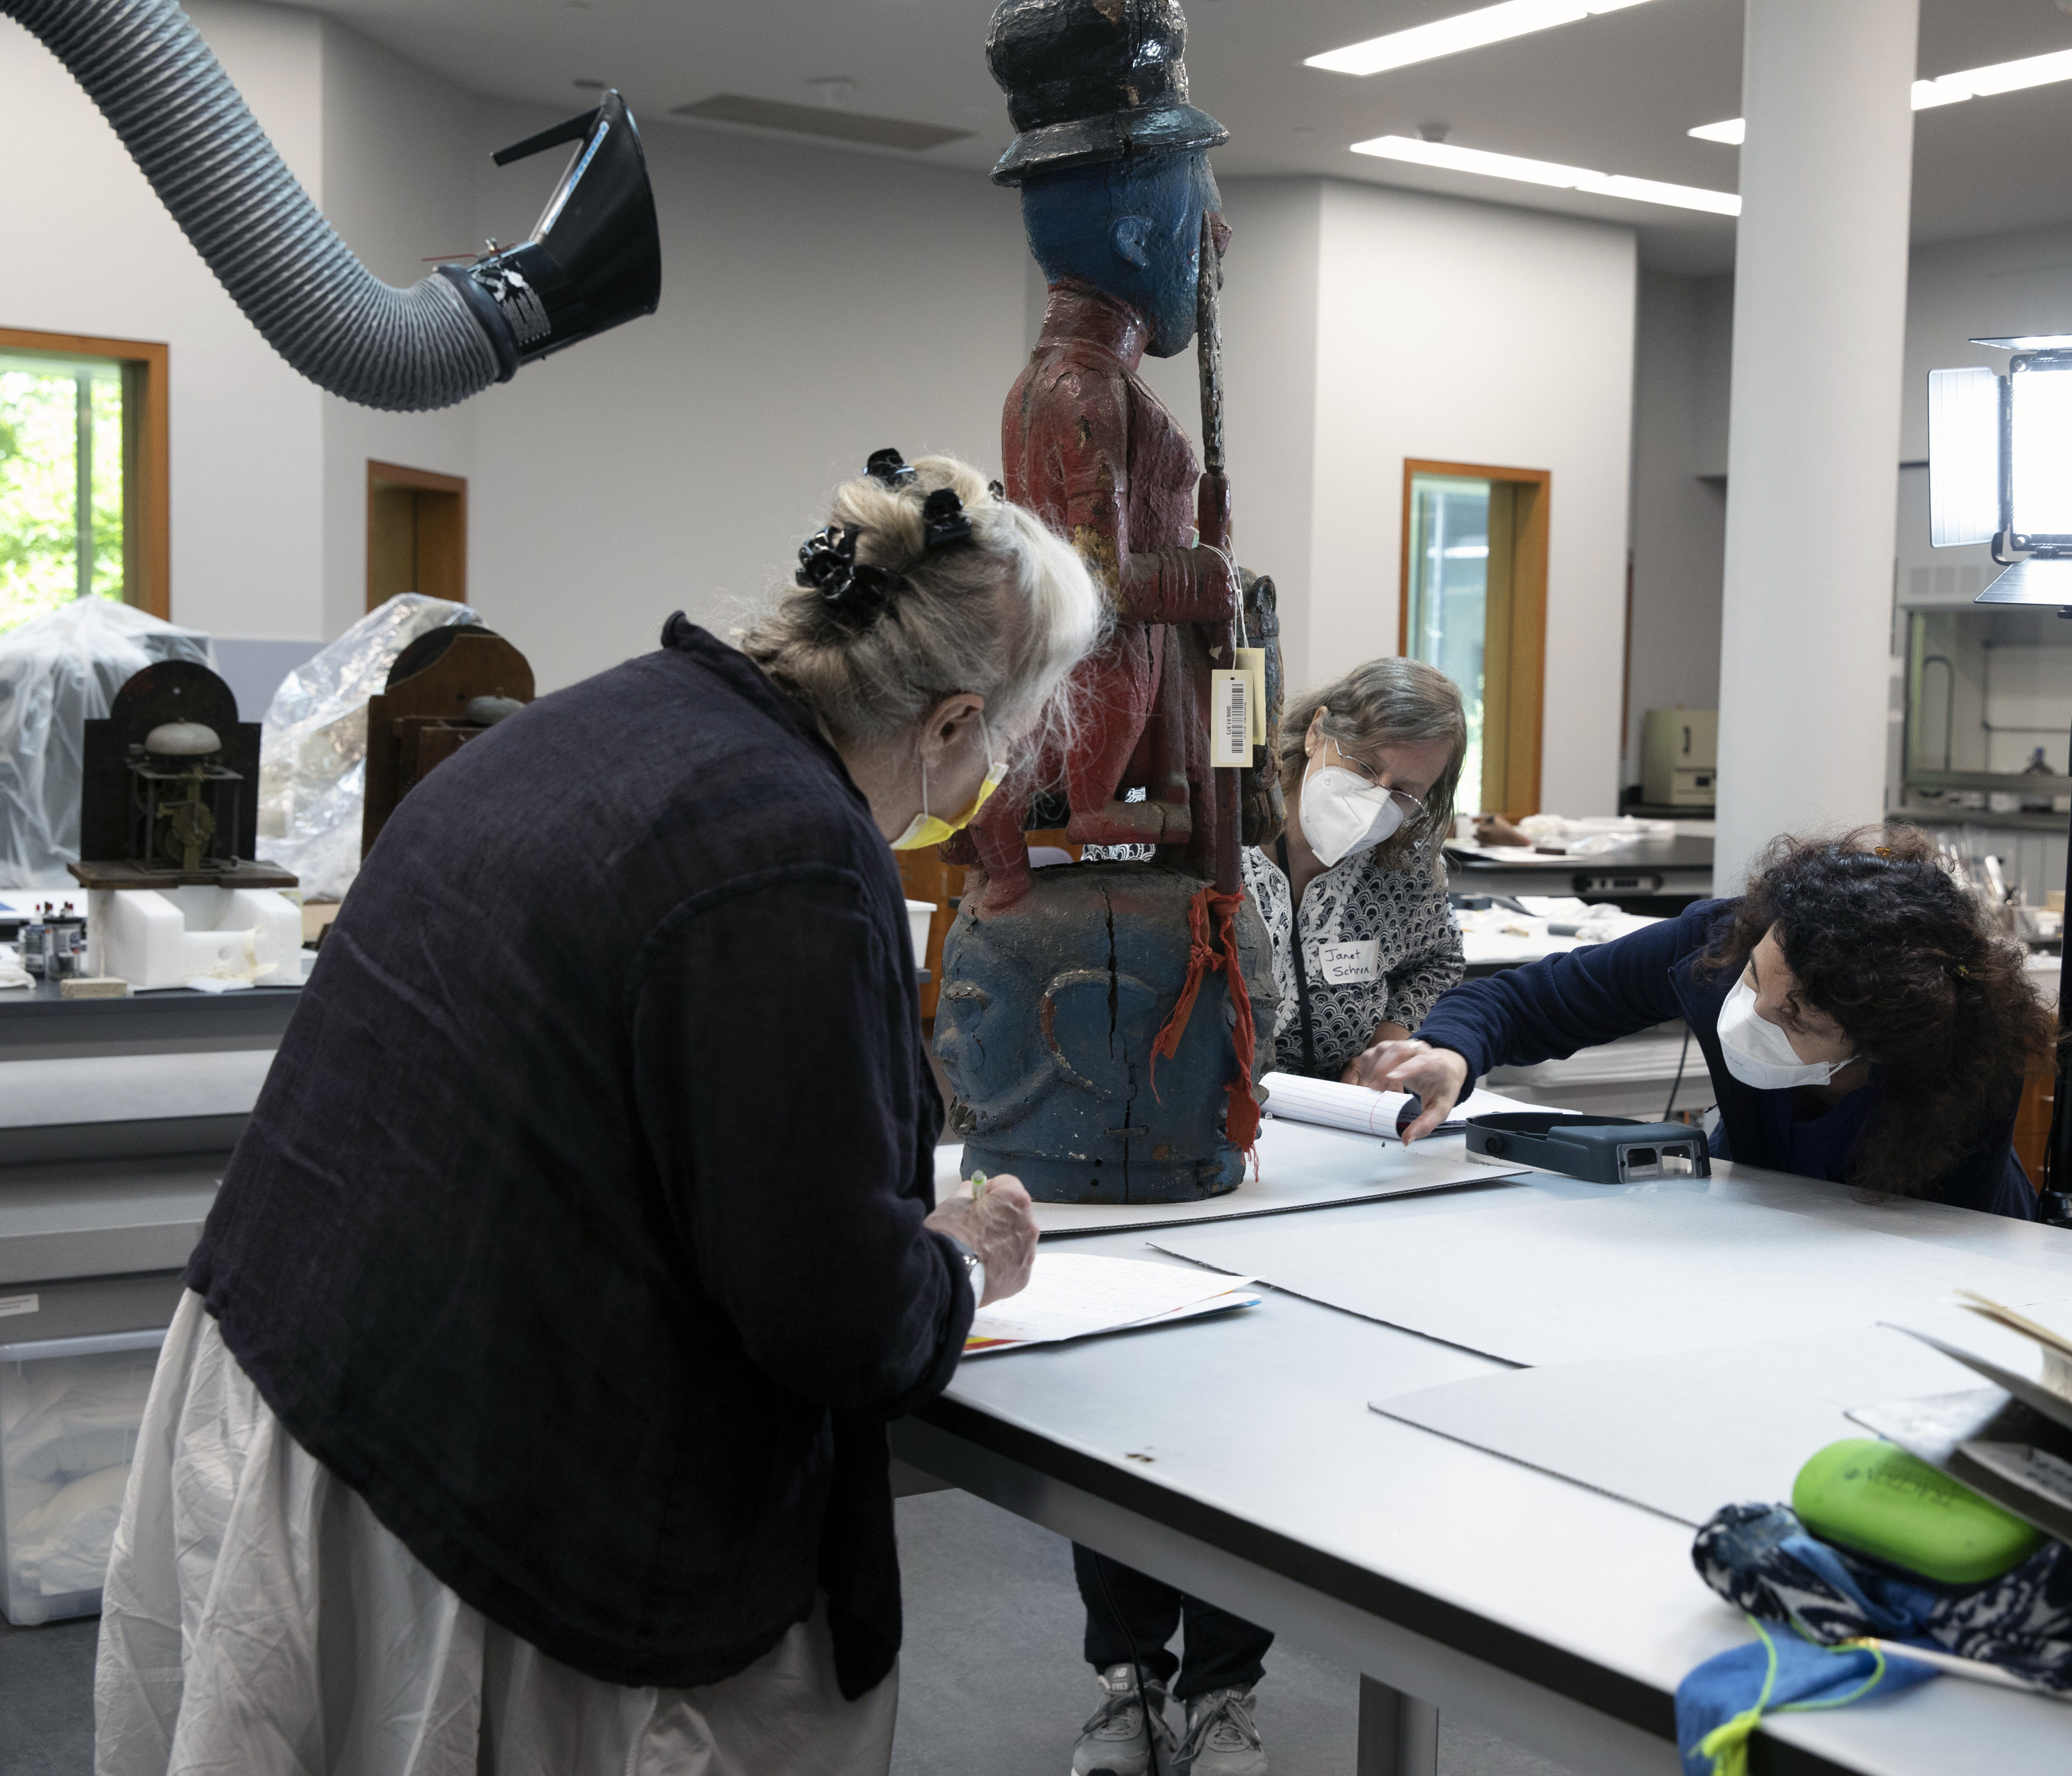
(1351, 964)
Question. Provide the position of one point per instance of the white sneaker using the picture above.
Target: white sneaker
(1116, 1741)
(1221, 1739)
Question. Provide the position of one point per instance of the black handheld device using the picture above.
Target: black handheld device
(1598, 1149)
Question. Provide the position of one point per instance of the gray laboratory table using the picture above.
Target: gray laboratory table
(101, 1206)
(1236, 1457)
(1679, 869)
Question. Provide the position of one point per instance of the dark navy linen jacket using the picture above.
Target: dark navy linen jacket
(1547, 1010)
(578, 1226)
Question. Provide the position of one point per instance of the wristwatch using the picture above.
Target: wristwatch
(974, 1268)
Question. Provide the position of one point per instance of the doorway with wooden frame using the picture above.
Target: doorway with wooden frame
(1473, 603)
(417, 533)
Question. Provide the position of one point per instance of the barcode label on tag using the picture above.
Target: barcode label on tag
(1251, 662)
(18, 1304)
(1230, 719)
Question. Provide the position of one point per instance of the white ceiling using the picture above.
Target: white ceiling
(1615, 92)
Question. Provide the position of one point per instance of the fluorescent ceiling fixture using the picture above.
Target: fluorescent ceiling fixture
(1547, 172)
(1463, 30)
(1970, 83)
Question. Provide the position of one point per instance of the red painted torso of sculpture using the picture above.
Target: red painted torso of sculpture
(1087, 446)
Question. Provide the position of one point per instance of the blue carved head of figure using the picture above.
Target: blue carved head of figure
(1045, 1027)
(1132, 229)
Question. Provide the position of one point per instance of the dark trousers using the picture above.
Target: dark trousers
(1130, 1615)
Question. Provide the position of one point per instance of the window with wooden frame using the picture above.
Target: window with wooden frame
(85, 510)
(417, 533)
(1473, 603)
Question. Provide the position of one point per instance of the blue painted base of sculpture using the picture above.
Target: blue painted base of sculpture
(1044, 1024)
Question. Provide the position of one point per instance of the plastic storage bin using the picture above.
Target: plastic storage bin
(69, 1413)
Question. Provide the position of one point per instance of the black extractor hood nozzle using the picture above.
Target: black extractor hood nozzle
(594, 258)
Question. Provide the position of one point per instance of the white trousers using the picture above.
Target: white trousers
(258, 1619)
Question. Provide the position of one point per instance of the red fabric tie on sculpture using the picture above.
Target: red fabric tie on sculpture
(1241, 1122)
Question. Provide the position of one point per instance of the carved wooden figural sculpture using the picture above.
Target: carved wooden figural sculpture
(1097, 1024)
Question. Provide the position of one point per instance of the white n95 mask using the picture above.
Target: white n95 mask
(1759, 1054)
(1341, 812)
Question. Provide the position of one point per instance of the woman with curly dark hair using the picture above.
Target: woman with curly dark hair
(1862, 1021)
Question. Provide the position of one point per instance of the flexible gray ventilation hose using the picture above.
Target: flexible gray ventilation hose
(145, 64)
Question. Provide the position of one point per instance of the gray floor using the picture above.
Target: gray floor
(991, 1679)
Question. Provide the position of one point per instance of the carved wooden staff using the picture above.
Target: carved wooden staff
(1212, 510)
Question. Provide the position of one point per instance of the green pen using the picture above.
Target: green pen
(978, 1185)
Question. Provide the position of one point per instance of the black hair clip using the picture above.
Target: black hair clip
(996, 490)
(857, 594)
(889, 467)
(943, 520)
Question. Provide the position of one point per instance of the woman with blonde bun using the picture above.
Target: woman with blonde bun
(525, 1410)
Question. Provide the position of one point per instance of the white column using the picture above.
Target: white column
(1813, 455)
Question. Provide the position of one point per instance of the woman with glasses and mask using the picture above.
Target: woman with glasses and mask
(1861, 1016)
(1368, 767)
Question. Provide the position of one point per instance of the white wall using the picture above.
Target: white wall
(1469, 333)
(93, 251)
(815, 305)
(401, 150)
(1679, 497)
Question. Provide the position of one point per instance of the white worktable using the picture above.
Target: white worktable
(1237, 1457)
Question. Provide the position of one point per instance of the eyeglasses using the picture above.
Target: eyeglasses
(1411, 806)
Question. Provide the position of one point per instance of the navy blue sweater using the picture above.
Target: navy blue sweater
(578, 1226)
(1548, 1010)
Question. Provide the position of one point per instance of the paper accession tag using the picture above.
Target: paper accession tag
(1230, 719)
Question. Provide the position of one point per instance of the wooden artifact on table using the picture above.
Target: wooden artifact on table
(1087, 1022)
(168, 824)
(166, 796)
(445, 687)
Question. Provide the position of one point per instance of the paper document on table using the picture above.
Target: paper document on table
(1365, 1112)
(2056, 1348)
(1072, 1295)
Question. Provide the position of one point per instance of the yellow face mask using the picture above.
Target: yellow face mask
(925, 829)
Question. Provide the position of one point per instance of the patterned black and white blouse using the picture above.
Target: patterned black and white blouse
(1378, 942)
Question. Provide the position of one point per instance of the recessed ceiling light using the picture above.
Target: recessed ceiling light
(1457, 159)
(1463, 30)
(1971, 83)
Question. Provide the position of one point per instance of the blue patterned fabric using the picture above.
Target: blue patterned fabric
(1761, 1559)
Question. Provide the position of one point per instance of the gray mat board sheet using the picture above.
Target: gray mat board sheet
(1682, 1435)
(1301, 1166)
(1647, 1268)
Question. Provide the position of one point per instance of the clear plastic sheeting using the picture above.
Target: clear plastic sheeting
(57, 673)
(313, 752)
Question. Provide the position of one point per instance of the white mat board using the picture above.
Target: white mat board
(1685, 1434)
(1301, 1166)
(1642, 1270)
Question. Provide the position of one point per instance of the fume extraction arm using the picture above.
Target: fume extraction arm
(594, 261)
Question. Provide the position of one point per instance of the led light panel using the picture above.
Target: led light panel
(1464, 30)
(1456, 158)
(2042, 453)
(1964, 457)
